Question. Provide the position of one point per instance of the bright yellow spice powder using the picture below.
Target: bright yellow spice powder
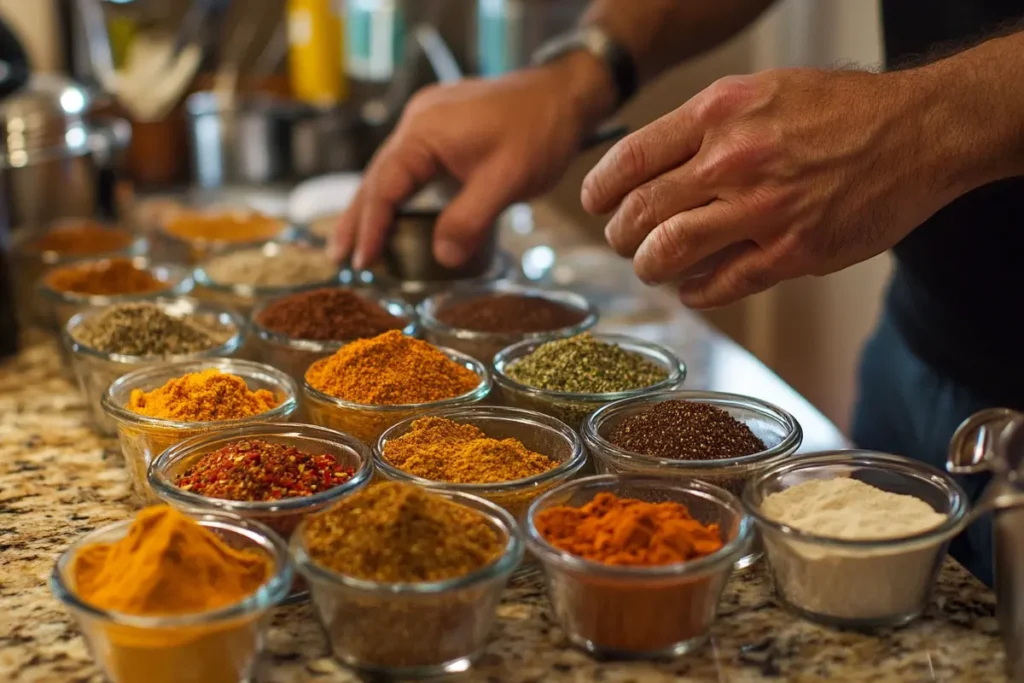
(205, 396)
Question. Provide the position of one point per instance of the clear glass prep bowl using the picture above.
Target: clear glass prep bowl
(219, 646)
(294, 356)
(539, 433)
(243, 298)
(412, 629)
(485, 345)
(95, 369)
(857, 584)
(143, 438)
(573, 408)
(640, 612)
(195, 250)
(367, 422)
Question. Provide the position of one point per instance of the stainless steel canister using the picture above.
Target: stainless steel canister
(992, 441)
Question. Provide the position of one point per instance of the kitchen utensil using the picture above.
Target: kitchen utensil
(992, 441)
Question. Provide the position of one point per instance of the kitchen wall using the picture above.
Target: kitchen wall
(810, 330)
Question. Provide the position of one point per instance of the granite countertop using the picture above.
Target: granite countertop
(59, 480)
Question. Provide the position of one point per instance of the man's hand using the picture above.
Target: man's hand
(505, 140)
(799, 171)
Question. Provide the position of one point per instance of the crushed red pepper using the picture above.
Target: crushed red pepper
(257, 470)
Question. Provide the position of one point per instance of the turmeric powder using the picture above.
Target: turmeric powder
(168, 564)
(205, 396)
(626, 531)
(391, 369)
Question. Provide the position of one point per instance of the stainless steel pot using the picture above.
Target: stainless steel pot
(992, 441)
(55, 161)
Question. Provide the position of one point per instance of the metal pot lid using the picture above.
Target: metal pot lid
(46, 117)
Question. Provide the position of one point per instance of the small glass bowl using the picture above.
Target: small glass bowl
(627, 612)
(485, 345)
(367, 422)
(95, 370)
(244, 298)
(294, 356)
(66, 304)
(573, 408)
(195, 250)
(539, 433)
(412, 629)
(857, 584)
(143, 438)
(219, 645)
(415, 291)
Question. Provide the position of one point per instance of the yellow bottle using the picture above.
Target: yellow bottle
(315, 54)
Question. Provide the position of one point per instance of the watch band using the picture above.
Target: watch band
(597, 42)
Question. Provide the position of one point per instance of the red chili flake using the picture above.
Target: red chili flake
(256, 470)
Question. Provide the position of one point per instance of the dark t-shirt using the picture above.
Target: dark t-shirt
(959, 280)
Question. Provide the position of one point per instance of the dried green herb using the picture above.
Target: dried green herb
(144, 329)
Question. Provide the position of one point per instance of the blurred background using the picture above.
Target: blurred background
(223, 94)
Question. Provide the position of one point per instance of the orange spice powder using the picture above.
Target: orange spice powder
(206, 396)
(225, 226)
(112, 276)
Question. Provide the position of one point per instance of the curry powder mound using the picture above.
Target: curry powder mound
(205, 396)
(391, 369)
(440, 449)
(400, 533)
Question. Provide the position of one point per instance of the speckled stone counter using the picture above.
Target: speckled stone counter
(58, 481)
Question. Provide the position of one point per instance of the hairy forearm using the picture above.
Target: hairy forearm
(975, 112)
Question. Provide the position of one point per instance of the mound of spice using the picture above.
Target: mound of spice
(685, 430)
(223, 226)
(626, 531)
(440, 449)
(81, 238)
(145, 329)
(391, 369)
(258, 470)
(509, 314)
(207, 396)
(585, 365)
(330, 314)
(400, 533)
(167, 564)
(272, 265)
(107, 277)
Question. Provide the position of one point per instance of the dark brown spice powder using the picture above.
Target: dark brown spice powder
(327, 315)
(685, 430)
(509, 313)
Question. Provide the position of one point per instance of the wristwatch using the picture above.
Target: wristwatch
(596, 41)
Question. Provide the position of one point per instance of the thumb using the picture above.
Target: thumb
(463, 225)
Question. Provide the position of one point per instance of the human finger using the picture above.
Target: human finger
(654, 149)
(398, 169)
(653, 203)
(340, 246)
(686, 239)
(751, 271)
(462, 226)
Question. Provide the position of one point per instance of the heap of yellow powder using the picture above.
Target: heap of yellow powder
(440, 449)
(391, 369)
(205, 396)
(167, 564)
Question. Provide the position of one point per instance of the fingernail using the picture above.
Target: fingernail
(586, 197)
(359, 262)
(449, 253)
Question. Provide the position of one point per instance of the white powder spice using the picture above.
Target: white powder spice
(870, 586)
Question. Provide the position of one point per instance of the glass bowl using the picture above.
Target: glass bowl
(194, 250)
(412, 629)
(66, 304)
(857, 584)
(143, 438)
(485, 345)
(573, 408)
(539, 433)
(95, 369)
(243, 297)
(367, 422)
(640, 612)
(219, 645)
(294, 356)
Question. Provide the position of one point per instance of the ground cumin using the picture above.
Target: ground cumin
(400, 533)
(391, 369)
(112, 276)
(440, 449)
(205, 396)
